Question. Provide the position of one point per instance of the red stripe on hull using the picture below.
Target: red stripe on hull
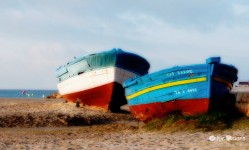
(147, 112)
(108, 96)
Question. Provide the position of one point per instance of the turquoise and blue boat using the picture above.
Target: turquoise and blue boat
(190, 90)
(96, 79)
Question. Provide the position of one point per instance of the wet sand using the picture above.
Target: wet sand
(53, 124)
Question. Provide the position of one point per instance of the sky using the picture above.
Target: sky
(36, 37)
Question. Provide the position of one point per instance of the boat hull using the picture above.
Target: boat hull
(190, 90)
(108, 96)
(242, 103)
(97, 79)
(241, 92)
(146, 112)
(101, 88)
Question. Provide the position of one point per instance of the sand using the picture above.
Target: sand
(54, 124)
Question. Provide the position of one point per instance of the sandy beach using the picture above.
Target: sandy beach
(54, 124)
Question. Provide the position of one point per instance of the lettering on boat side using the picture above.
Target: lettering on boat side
(166, 85)
(193, 90)
(179, 72)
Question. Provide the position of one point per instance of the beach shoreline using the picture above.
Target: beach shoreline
(52, 124)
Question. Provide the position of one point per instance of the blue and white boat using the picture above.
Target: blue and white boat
(191, 90)
(96, 79)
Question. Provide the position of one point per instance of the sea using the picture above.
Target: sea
(20, 93)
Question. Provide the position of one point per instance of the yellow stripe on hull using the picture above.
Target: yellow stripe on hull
(170, 84)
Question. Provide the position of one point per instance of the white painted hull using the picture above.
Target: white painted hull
(93, 79)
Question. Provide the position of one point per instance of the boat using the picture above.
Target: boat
(96, 79)
(189, 90)
(241, 91)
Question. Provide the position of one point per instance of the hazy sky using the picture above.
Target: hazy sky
(36, 37)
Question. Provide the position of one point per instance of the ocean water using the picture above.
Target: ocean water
(25, 93)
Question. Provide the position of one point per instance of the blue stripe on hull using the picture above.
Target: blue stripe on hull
(132, 62)
(113, 58)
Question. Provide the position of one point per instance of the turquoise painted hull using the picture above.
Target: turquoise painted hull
(191, 84)
(183, 91)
